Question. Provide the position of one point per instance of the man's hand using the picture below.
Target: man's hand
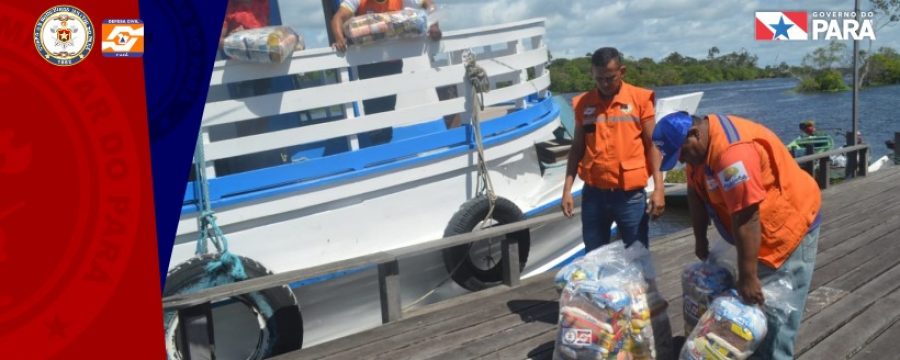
(701, 249)
(568, 204)
(434, 32)
(657, 204)
(750, 290)
(339, 44)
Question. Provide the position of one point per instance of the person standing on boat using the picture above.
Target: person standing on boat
(347, 10)
(614, 155)
(742, 177)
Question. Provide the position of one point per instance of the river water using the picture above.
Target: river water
(773, 103)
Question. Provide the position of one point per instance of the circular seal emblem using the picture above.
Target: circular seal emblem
(64, 35)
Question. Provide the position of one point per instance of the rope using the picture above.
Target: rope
(477, 77)
(208, 228)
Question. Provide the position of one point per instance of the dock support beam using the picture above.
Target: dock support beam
(852, 157)
(897, 148)
(823, 175)
(389, 291)
(197, 332)
(510, 251)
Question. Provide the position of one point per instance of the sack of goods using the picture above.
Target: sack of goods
(270, 44)
(730, 329)
(604, 307)
(371, 28)
(701, 282)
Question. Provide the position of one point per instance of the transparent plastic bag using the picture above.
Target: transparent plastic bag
(703, 281)
(370, 28)
(604, 306)
(731, 329)
(270, 44)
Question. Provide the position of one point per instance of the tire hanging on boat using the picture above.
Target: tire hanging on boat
(458, 260)
(276, 309)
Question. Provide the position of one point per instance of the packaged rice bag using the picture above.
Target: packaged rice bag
(270, 44)
(371, 28)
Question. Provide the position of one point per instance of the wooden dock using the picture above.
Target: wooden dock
(853, 309)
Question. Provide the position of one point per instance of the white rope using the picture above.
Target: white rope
(479, 81)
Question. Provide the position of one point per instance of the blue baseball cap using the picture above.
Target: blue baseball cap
(669, 135)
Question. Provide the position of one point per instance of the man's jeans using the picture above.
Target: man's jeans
(798, 269)
(599, 208)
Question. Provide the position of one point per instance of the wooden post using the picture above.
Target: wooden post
(197, 332)
(850, 169)
(896, 148)
(389, 291)
(809, 166)
(510, 251)
(824, 173)
(863, 162)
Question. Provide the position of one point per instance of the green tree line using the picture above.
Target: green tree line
(574, 75)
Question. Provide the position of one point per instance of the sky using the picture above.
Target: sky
(644, 28)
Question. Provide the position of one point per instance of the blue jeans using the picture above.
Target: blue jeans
(599, 208)
(779, 341)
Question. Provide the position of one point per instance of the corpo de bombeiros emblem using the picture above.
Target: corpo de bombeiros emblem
(64, 35)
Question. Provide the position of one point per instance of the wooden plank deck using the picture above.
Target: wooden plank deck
(853, 310)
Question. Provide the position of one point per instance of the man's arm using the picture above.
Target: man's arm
(746, 230)
(658, 198)
(434, 31)
(337, 28)
(700, 223)
(576, 152)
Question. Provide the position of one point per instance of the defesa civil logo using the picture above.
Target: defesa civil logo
(122, 38)
(826, 25)
(64, 35)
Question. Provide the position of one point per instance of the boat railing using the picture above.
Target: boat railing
(317, 95)
(506, 52)
(195, 309)
(819, 164)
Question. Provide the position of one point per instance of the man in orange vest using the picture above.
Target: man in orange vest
(613, 153)
(742, 177)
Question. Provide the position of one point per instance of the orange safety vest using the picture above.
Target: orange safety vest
(614, 155)
(792, 199)
(373, 6)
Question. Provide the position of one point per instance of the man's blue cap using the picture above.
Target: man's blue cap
(668, 136)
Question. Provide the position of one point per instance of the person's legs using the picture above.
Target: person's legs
(595, 218)
(798, 269)
(381, 104)
(630, 214)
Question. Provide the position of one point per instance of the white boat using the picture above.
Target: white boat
(327, 196)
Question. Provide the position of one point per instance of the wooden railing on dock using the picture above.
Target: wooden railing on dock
(195, 310)
(857, 163)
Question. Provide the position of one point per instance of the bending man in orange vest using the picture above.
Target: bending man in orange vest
(614, 155)
(742, 177)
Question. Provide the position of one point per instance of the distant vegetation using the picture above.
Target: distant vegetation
(573, 75)
(826, 69)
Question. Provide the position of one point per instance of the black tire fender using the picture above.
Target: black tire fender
(457, 259)
(281, 324)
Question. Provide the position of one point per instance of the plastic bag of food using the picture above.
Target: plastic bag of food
(371, 28)
(270, 44)
(703, 281)
(605, 305)
(731, 329)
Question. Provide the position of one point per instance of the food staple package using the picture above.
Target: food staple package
(701, 282)
(270, 44)
(371, 28)
(604, 306)
(730, 329)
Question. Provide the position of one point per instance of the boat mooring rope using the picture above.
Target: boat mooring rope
(477, 77)
(208, 228)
